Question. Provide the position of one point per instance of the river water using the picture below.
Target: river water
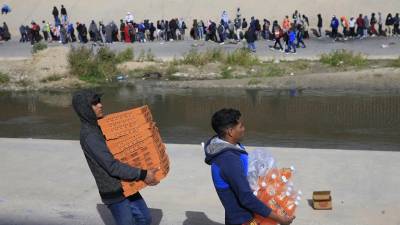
(335, 120)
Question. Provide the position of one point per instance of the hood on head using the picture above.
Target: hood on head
(216, 146)
(82, 104)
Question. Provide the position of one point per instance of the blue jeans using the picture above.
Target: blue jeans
(200, 32)
(291, 46)
(64, 19)
(57, 21)
(251, 46)
(131, 212)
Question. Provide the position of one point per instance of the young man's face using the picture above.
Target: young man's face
(237, 132)
(98, 110)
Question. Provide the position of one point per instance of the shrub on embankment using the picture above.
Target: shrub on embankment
(4, 78)
(96, 66)
(39, 46)
(395, 63)
(215, 63)
(238, 57)
(343, 59)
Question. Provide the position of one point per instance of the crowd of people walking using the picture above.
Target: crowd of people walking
(287, 35)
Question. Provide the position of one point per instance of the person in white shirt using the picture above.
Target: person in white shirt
(129, 18)
(352, 26)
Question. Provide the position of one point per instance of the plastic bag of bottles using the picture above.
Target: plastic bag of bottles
(272, 185)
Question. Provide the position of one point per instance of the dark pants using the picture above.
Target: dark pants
(291, 47)
(352, 32)
(122, 36)
(131, 212)
(251, 46)
(334, 33)
(24, 37)
(278, 42)
(396, 29)
(46, 35)
(300, 41)
(360, 31)
(221, 37)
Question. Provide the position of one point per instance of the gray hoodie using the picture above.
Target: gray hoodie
(107, 171)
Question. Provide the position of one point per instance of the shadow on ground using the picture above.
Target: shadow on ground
(107, 218)
(192, 218)
(198, 218)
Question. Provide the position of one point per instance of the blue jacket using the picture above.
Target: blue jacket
(334, 23)
(229, 173)
(292, 36)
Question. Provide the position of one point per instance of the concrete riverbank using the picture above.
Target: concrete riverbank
(49, 182)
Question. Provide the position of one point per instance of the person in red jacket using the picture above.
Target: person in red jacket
(126, 33)
(360, 26)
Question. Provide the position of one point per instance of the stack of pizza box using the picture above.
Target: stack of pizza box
(134, 139)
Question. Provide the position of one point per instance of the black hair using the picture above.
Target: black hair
(95, 99)
(223, 119)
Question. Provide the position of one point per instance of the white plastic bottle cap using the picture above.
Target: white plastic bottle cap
(255, 193)
(263, 184)
(288, 193)
(273, 176)
(284, 179)
(289, 189)
(292, 168)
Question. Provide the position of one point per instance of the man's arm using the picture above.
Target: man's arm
(99, 151)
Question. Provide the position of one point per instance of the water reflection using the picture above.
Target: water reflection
(271, 118)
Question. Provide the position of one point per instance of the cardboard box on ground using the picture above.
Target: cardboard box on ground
(134, 139)
(322, 200)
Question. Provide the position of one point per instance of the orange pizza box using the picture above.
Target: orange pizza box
(133, 139)
(118, 124)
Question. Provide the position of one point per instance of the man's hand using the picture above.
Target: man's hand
(151, 177)
(286, 220)
(282, 220)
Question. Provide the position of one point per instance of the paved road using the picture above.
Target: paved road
(49, 182)
(371, 47)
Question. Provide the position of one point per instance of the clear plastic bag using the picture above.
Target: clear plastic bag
(273, 186)
(260, 161)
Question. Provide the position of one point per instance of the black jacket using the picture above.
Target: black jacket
(250, 35)
(319, 22)
(389, 21)
(63, 11)
(244, 25)
(55, 12)
(107, 171)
